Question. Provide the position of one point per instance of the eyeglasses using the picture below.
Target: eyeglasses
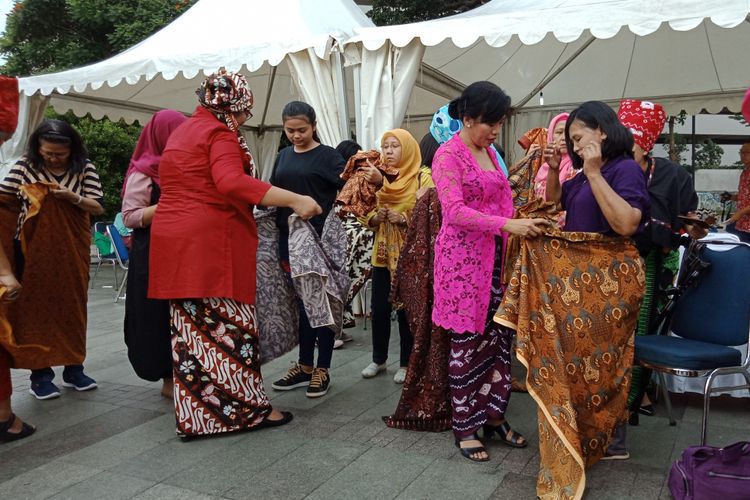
(53, 156)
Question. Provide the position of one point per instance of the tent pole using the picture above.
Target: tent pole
(554, 74)
(341, 94)
(262, 126)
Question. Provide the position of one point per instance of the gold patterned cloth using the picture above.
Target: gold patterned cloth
(573, 300)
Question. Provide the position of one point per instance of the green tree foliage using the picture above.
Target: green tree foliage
(708, 154)
(387, 12)
(45, 36)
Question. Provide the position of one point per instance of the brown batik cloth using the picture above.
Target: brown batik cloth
(573, 300)
(48, 320)
(425, 398)
(522, 179)
(357, 197)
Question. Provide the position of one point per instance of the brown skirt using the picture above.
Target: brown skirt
(51, 260)
(573, 299)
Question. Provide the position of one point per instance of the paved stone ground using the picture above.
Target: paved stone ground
(118, 441)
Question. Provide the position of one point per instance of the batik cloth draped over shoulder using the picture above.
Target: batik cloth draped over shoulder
(573, 301)
(521, 180)
(358, 196)
(225, 93)
(318, 269)
(425, 399)
(275, 301)
(52, 263)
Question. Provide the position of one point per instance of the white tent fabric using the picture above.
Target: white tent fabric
(264, 149)
(685, 54)
(164, 70)
(32, 111)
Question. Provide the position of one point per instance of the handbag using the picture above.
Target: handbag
(708, 472)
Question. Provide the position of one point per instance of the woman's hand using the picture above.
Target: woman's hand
(396, 218)
(63, 193)
(372, 174)
(552, 156)
(12, 286)
(527, 228)
(306, 207)
(592, 158)
(380, 216)
(533, 153)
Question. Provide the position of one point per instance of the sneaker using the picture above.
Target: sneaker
(618, 455)
(44, 390)
(79, 381)
(319, 384)
(373, 369)
(346, 337)
(294, 378)
(400, 376)
(338, 344)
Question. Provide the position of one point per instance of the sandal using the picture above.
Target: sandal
(468, 452)
(503, 431)
(287, 417)
(6, 436)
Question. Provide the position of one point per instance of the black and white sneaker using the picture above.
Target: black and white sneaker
(319, 384)
(294, 378)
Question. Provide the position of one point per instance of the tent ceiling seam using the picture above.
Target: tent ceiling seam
(711, 52)
(507, 60)
(630, 66)
(468, 49)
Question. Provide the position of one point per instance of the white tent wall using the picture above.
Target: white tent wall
(30, 114)
(264, 149)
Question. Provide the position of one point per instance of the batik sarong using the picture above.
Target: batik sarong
(318, 270)
(51, 260)
(425, 397)
(479, 366)
(218, 386)
(573, 299)
(275, 302)
(358, 261)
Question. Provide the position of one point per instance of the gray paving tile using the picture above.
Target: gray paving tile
(444, 479)
(44, 481)
(168, 492)
(105, 485)
(314, 463)
(515, 486)
(377, 474)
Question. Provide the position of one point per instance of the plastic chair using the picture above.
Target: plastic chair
(709, 318)
(121, 253)
(99, 258)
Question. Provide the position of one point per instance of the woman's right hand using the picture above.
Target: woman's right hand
(552, 156)
(306, 207)
(12, 287)
(379, 217)
(527, 228)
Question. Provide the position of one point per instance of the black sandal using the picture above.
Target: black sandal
(287, 417)
(516, 440)
(468, 452)
(6, 436)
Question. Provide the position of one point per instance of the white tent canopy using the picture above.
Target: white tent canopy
(255, 37)
(686, 54)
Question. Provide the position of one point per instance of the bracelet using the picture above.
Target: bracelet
(80, 199)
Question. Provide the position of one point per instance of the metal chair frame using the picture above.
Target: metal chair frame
(123, 263)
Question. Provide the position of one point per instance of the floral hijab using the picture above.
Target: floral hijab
(225, 93)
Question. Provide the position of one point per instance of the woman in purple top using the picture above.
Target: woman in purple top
(611, 197)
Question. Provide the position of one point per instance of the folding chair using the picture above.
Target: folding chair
(121, 253)
(100, 228)
(709, 317)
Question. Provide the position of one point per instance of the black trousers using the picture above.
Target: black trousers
(381, 320)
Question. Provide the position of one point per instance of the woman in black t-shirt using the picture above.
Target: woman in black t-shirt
(309, 168)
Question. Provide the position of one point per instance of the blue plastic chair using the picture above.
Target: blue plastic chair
(121, 253)
(709, 319)
(99, 258)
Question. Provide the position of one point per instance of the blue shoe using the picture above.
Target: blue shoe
(79, 381)
(44, 389)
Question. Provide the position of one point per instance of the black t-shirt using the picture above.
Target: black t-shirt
(314, 173)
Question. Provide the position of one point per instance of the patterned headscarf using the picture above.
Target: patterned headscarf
(644, 119)
(225, 93)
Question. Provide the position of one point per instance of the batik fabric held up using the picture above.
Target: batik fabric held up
(573, 300)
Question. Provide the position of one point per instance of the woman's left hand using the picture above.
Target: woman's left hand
(592, 158)
(395, 217)
(63, 193)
